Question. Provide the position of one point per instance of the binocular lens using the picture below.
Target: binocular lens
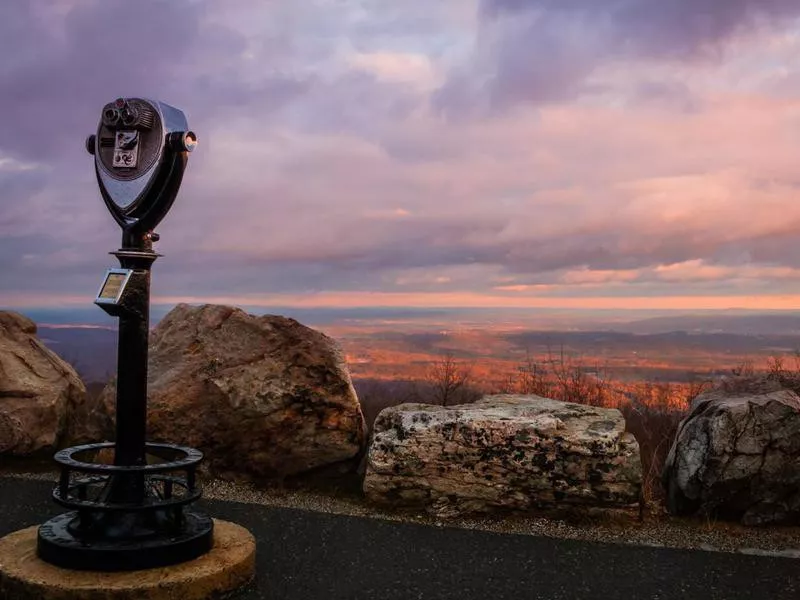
(128, 116)
(110, 116)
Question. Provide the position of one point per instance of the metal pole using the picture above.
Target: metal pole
(134, 325)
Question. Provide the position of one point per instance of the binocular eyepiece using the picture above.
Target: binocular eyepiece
(111, 117)
(130, 114)
(140, 151)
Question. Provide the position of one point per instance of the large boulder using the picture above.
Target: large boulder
(260, 396)
(737, 454)
(43, 402)
(504, 451)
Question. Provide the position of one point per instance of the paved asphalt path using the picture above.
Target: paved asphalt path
(306, 555)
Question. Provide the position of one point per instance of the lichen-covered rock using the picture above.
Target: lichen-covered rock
(511, 452)
(737, 455)
(260, 396)
(43, 403)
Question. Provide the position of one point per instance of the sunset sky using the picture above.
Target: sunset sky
(543, 153)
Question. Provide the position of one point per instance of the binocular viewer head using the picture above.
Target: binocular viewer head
(140, 151)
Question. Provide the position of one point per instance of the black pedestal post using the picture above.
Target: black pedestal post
(129, 515)
(134, 326)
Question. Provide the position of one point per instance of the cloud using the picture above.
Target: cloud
(546, 51)
(679, 28)
(415, 69)
(344, 152)
(58, 74)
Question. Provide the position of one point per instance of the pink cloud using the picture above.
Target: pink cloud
(328, 167)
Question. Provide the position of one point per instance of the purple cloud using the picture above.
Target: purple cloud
(545, 51)
(654, 28)
(322, 167)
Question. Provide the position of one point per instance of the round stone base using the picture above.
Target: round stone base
(229, 565)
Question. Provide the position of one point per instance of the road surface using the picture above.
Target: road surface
(305, 555)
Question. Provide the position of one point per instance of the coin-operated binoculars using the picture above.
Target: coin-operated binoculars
(131, 514)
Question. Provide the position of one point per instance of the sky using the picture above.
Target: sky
(623, 154)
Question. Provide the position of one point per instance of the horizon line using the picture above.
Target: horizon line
(434, 301)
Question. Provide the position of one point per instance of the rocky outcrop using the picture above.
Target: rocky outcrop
(737, 455)
(511, 452)
(43, 403)
(260, 396)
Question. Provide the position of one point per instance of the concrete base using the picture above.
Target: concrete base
(229, 565)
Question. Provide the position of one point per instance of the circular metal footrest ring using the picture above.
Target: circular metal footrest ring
(151, 485)
(126, 517)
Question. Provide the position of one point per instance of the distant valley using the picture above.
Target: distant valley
(401, 345)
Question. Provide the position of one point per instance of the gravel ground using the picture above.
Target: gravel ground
(624, 528)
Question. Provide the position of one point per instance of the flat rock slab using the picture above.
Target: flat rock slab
(505, 451)
(228, 566)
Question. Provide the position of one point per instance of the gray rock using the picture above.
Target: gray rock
(260, 396)
(737, 455)
(505, 451)
(43, 403)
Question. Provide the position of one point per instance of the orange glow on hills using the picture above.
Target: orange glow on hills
(370, 299)
(474, 300)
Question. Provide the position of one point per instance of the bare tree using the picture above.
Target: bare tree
(532, 378)
(449, 380)
(561, 377)
(694, 389)
(776, 366)
(572, 383)
(744, 369)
